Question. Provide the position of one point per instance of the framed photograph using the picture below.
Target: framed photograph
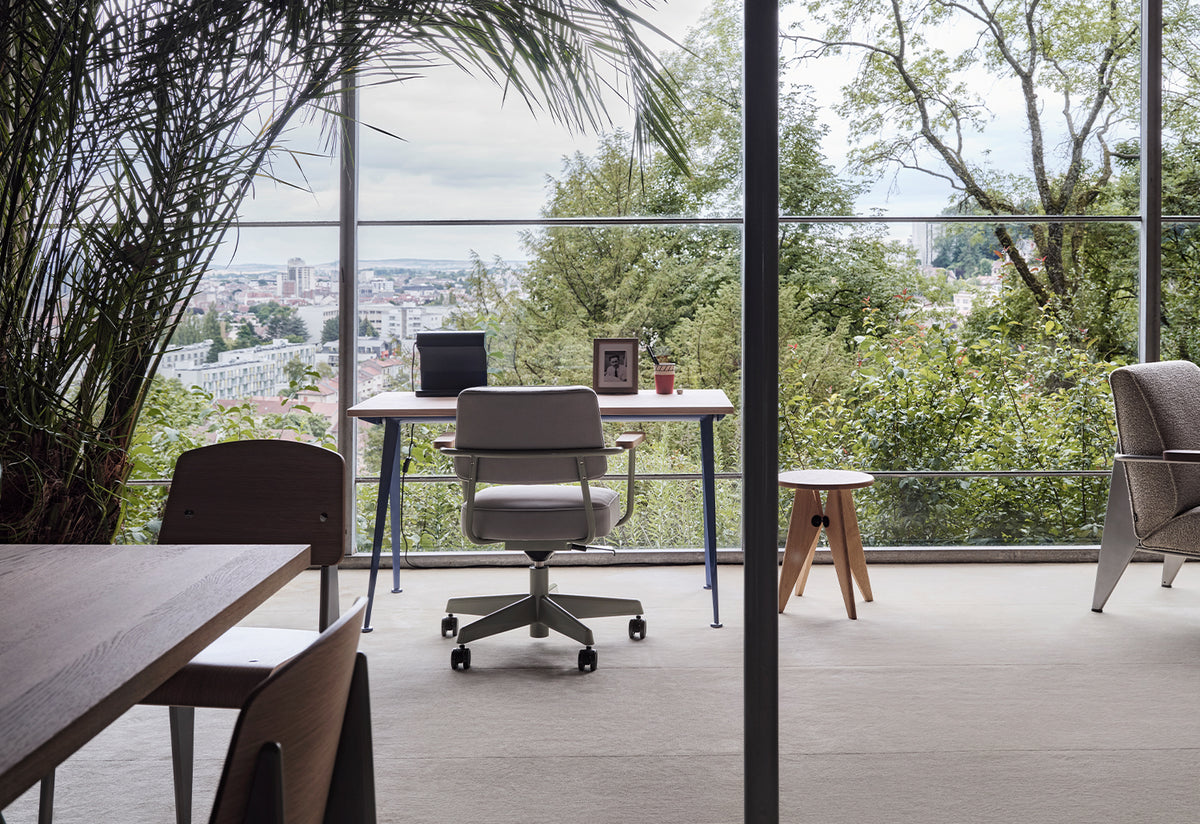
(615, 366)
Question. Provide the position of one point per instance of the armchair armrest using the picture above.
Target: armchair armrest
(1168, 456)
(444, 441)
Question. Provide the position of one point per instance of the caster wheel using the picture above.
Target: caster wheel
(587, 660)
(449, 626)
(637, 628)
(460, 658)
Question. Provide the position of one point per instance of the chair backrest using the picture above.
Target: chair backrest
(529, 418)
(1158, 408)
(256, 492)
(299, 707)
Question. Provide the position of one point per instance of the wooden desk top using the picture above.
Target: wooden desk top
(645, 405)
(88, 631)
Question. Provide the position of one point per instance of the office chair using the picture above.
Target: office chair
(251, 492)
(526, 444)
(1154, 493)
(301, 747)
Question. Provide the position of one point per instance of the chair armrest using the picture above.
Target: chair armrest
(444, 441)
(631, 440)
(1125, 457)
(1182, 455)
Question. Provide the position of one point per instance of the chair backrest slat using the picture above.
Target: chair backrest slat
(259, 491)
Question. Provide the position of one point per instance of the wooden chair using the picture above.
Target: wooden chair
(255, 491)
(298, 753)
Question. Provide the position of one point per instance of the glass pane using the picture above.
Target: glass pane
(1181, 291)
(935, 108)
(446, 145)
(247, 361)
(983, 512)
(1181, 93)
(675, 288)
(892, 364)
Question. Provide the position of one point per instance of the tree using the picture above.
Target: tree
(247, 337)
(329, 332)
(190, 330)
(131, 131)
(1073, 67)
(212, 331)
(281, 322)
(675, 286)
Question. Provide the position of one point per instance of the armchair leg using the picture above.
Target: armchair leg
(183, 729)
(1118, 543)
(1171, 566)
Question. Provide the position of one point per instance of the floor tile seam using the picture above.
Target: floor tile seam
(420, 758)
(1089, 666)
(791, 753)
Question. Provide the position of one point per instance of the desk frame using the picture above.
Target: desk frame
(393, 409)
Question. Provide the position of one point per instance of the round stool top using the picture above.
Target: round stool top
(825, 479)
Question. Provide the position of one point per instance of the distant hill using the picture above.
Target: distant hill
(394, 263)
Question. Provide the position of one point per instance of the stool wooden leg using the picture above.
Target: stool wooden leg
(854, 547)
(836, 533)
(808, 562)
(801, 543)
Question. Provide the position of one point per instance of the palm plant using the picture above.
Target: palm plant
(130, 133)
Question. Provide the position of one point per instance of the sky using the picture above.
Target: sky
(466, 153)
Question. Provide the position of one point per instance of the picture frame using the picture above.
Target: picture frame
(615, 366)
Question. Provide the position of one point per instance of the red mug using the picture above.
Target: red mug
(664, 378)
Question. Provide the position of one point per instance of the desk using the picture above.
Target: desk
(396, 408)
(88, 631)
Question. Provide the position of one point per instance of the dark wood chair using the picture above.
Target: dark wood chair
(256, 491)
(300, 751)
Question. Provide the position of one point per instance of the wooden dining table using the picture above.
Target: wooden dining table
(87, 631)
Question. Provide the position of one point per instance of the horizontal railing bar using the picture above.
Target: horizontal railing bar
(651, 220)
(734, 476)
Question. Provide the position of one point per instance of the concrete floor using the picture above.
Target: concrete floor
(964, 693)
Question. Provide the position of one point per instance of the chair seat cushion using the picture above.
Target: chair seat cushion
(540, 512)
(1180, 534)
(225, 672)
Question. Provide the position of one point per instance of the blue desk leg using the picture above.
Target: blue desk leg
(391, 435)
(397, 522)
(708, 471)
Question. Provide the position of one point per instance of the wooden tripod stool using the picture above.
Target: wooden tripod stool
(841, 528)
